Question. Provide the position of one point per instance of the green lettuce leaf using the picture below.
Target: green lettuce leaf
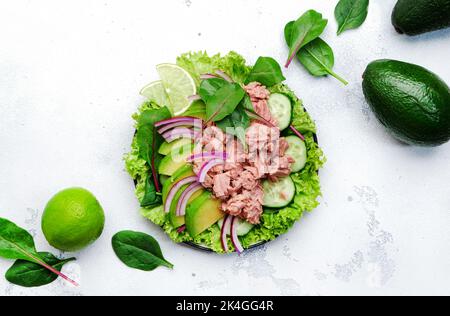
(273, 224)
(200, 63)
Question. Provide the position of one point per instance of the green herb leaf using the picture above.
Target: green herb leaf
(209, 87)
(351, 14)
(224, 102)
(151, 195)
(30, 274)
(306, 29)
(146, 132)
(266, 71)
(247, 104)
(318, 59)
(149, 141)
(197, 109)
(17, 243)
(236, 124)
(317, 56)
(139, 251)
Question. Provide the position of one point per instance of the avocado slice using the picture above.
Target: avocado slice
(163, 179)
(178, 221)
(167, 148)
(202, 213)
(175, 160)
(412, 102)
(414, 17)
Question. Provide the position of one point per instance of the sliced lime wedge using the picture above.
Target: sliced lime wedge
(179, 86)
(155, 92)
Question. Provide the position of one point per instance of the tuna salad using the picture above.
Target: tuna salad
(224, 156)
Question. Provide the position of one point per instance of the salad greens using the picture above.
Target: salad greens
(148, 142)
(221, 97)
(224, 101)
(30, 274)
(236, 123)
(350, 14)
(139, 251)
(317, 56)
(16, 243)
(266, 71)
(233, 64)
(307, 183)
(318, 59)
(209, 87)
(306, 29)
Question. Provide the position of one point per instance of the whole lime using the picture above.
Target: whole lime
(73, 219)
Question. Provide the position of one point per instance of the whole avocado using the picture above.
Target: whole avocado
(414, 17)
(412, 102)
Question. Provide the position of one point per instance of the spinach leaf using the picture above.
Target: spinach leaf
(30, 274)
(17, 243)
(139, 251)
(236, 124)
(151, 195)
(247, 104)
(306, 29)
(149, 141)
(351, 14)
(317, 56)
(209, 87)
(224, 102)
(266, 71)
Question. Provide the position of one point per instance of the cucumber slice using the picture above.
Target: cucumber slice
(297, 150)
(281, 108)
(278, 194)
(243, 227)
(167, 148)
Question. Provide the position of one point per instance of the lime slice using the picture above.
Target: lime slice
(155, 92)
(179, 86)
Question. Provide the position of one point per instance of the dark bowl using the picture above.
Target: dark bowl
(199, 247)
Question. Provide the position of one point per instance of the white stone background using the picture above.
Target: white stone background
(70, 73)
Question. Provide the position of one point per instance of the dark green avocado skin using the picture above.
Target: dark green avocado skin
(412, 102)
(414, 17)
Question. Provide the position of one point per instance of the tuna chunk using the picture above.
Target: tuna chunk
(284, 146)
(267, 151)
(221, 185)
(247, 205)
(259, 95)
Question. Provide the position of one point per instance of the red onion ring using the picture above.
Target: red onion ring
(234, 236)
(174, 191)
(186, 196)
(177, 133)
(207, 166)
(226, 230)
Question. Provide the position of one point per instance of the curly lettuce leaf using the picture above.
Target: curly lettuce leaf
(273, 224)
(200, 63)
